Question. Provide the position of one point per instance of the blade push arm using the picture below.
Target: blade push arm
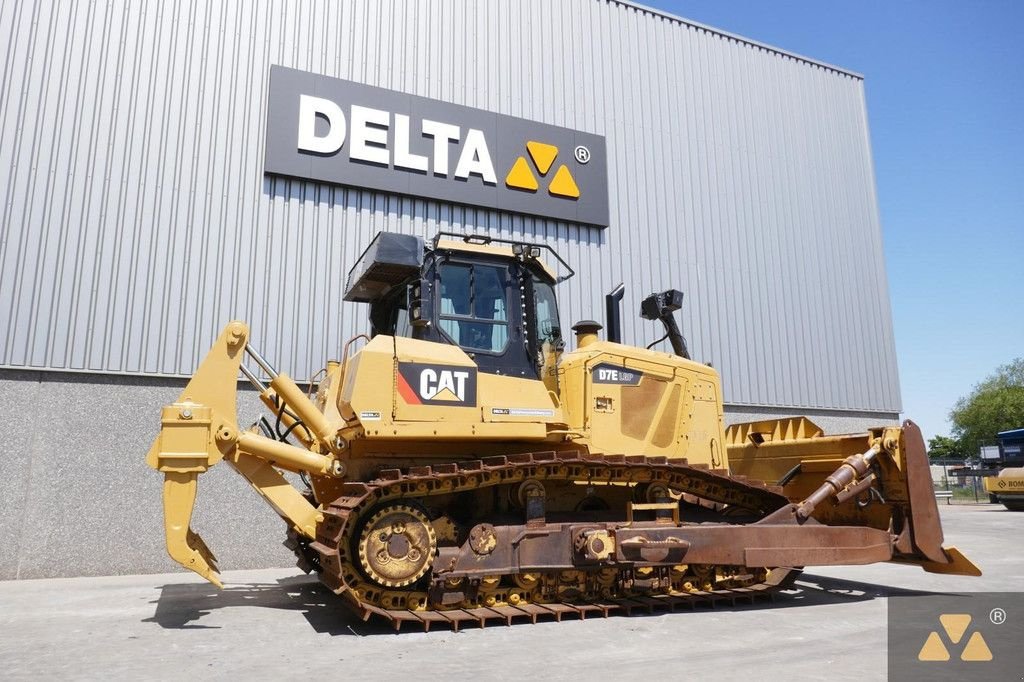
(878, 479)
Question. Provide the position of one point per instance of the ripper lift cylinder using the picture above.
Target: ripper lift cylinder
(296, 400)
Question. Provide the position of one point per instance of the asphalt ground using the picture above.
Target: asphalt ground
(280, 624)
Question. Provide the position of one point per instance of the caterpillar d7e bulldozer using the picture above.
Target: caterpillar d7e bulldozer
(463, 466)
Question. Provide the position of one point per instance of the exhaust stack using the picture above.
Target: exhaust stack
(613, 314)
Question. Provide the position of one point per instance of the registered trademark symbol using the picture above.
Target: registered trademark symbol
(582, 154)
(997, 616)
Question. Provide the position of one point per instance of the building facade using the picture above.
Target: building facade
(139, 217)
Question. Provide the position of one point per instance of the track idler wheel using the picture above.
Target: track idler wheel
(397, 546)
(526, 581)
(705, 577)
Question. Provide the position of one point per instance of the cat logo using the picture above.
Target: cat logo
(423, 384)
(955, 625)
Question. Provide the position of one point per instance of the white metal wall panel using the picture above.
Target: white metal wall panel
(136, 219)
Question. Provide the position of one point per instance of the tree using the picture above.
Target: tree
(996, 404)
(943, 447)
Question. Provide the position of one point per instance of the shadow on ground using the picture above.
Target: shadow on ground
(183, 606)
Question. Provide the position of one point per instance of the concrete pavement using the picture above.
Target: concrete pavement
(274, 623)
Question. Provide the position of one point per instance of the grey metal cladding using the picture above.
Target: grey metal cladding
(505, 139)
(136, 218)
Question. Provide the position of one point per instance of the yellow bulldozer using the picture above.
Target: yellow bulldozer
(462, 465)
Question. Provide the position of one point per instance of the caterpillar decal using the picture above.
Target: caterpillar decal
(426, 384)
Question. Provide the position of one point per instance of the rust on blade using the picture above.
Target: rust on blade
(926, 527)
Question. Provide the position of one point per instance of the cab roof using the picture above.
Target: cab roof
(502, 248)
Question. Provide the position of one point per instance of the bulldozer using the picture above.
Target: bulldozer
(459, 463)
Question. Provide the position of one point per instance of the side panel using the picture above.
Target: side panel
(434, 382)
(631, 401)
(400, 388)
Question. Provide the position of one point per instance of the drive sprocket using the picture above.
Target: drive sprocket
(397, 545)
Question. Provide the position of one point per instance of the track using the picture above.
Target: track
(556, 595)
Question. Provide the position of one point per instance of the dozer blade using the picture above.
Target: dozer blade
(878, 479)
(925, 526)
(957, 564)
(183, 544)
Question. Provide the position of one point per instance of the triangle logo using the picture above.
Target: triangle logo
(976, 649)
(521, 177)
(955, 625)
(563, 184)
(543, 155)
(446, 394)
(933, 649)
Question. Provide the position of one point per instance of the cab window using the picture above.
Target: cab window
(474, 310)
(545, 312)
(390, 315)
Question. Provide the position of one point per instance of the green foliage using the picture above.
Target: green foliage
(996, 404)
(945, 448)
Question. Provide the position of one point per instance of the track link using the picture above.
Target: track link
(331, 555)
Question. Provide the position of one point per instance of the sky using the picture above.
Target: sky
(944, 83)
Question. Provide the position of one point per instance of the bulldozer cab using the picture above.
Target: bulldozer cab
(496, 301)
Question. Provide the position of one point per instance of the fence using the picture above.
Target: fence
(959, 485)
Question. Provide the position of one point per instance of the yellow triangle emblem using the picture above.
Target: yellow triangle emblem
(447, 394)
(521, 177)
(955, 625)
(563, 185)
(976, 649)
(933, 649)
(542, 154)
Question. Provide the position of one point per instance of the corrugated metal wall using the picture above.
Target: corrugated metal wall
(136, 218)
